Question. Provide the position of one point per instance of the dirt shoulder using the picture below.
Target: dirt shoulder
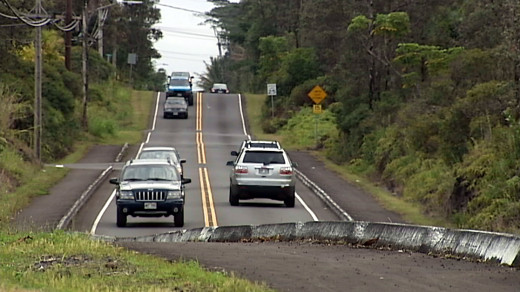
(307, 266)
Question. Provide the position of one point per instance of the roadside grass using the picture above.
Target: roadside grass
(411, 212)
(136, 124)
(253, 107)
(130, 115)
(27, 182)
(62, 261)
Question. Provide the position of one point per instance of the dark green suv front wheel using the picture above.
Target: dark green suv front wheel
(121, 218)
(178, 218)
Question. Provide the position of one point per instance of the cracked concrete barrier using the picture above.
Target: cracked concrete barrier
(487, 246)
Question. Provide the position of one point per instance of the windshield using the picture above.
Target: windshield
(181, 74)
(179, 82)
(150, 172)
(159, 155)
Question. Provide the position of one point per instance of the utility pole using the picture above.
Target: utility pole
(219, 42)
(84, 70)
(68, 35)
(38, 87)
(100, 32)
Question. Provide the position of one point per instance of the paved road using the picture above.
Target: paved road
(296, 266)
(214, 128)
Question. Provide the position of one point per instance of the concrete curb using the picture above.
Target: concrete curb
(478, 245)
(470, 244)
(65, 220)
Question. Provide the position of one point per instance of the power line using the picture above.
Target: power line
(183, 9)
(28, 21)
(170, 30)
(42, 19)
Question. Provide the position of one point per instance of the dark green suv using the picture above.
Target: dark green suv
(150, 188)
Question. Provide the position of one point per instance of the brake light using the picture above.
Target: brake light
(241, 169)
(286, 170)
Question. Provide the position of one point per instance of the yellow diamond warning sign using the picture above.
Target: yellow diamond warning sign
(317, 94)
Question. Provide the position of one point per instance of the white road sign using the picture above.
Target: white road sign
(271, 89)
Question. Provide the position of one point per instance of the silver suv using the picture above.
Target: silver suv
(150, 188)
(262, 169)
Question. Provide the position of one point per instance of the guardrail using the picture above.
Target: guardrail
(323, 196)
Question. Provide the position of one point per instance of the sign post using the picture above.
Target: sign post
(317, 94)
(271, 91)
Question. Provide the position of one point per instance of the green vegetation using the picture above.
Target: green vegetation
(423, 97)
(302, 125)
(60, 261)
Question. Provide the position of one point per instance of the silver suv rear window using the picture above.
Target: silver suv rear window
(264, 157)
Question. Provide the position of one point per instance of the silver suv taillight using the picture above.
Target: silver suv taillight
(286, 170)
(240, 169)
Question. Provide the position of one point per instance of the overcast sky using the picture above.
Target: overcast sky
(186, 41)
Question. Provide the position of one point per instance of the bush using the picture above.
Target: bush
(101, 127)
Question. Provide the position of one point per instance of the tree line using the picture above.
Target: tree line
(425, 94)
(127, 29)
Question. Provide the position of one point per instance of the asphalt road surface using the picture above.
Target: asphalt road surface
(213, 129)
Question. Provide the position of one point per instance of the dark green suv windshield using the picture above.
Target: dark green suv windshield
(150, 172)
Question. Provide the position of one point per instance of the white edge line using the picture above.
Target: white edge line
(101, 213)
(140, 149)
(75, 208)
(105, 207)
(156, 110)
(242, 116)
(314, 217)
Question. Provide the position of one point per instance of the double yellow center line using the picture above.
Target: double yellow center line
(208, 206)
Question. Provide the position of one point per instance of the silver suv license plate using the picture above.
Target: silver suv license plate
(150, 206)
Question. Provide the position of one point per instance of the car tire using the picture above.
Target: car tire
(165, 116)
(233, 196)
(289, 201)
(178, 218)
(186, 116)
(121, 218)
(190, 100)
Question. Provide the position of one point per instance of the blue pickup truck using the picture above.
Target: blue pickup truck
(180, 85)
